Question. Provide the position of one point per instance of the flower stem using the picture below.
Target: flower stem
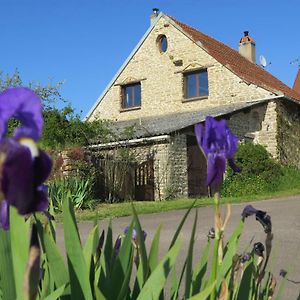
(218, 237)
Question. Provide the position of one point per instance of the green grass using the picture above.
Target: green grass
(104, 210)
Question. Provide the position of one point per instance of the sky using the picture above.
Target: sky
(85, 42)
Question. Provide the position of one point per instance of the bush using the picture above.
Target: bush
(260, 172)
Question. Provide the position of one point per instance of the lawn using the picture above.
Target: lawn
(115, 210)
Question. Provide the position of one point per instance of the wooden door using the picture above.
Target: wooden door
(196, 169)
(144, 181)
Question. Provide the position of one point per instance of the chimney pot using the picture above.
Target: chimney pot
(247, 47)
(155, 12)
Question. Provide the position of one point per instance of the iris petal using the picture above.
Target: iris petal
(4, 215)
(20, 183)
(219, 145)
(23, 104)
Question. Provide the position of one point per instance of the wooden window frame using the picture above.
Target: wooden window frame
(198, 75)
(123, 96)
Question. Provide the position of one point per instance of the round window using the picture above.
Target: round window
(162, 43)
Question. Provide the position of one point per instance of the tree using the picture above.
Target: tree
(62, 127)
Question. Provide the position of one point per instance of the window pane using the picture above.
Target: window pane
(132, 95)
(128, 96)
(163, 44)
(191, 89)
(137, 95)
(203, 86)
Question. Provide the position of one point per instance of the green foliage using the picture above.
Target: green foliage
(260, 172)
(78, 190)
(62, 127)
(97, 270)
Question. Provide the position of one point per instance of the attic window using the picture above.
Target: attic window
(131, 95)
(162, 43)
(196, 84)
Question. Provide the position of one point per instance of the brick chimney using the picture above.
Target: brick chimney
(155, 13)
(247, 47)
(296, 86)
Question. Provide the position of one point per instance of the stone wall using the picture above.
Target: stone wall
(259, 125)
(289, 133)
(162, 79)
(170, 164)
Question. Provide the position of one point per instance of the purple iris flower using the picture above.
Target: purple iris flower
(24, 167)
(261, 216)
(219, 145)
(134, 233)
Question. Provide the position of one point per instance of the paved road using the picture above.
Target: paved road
(285, 215)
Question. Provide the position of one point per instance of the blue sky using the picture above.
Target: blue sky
(84, 43)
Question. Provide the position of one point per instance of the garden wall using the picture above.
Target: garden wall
(288, 120)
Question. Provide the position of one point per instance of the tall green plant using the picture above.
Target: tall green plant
(79, 191)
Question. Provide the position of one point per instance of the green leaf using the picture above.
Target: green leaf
(57, 293)
(175, 293)
(154, 250)
(200, 269)
(98, 294)
(90, 246)
(79, 275)
(156, 282)
(19, 238)
(189, 260)
(231, 249)
(121, 264)
(108, 250)
(125, 289)
(7, 280)
(180, 225)
(142, 247)
(282, 285)
(55, 261)
(205, 293)
(174, 285)
(245, 285)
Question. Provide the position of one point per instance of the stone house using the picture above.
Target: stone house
(175, 77)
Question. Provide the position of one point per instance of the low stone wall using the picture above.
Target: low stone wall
(288, 120)
(258, 125)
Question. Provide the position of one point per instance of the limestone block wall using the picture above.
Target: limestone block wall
(258, 124)
(162, 79)
(170, 165)
(289, 133)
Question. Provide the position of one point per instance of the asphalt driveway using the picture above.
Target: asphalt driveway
(285, 213)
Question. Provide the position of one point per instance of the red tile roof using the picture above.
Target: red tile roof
(238, 64)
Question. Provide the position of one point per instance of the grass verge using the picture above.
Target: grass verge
(105, 210)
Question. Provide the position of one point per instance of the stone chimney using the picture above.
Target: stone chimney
(296, 86)
(155, 13)
(247, 47)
